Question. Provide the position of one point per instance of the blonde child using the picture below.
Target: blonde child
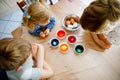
(17, 57)
(39, 19)
(100, 18)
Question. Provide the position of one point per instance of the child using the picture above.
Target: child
(100, 18)
(39, 19)
(16, 58)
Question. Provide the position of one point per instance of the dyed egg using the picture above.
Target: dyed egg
(72, 21)
(67, 22)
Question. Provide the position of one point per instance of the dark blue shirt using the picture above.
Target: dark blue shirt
(39, 28)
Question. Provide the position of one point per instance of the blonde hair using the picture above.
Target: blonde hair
(38, 12)
(13, 53)
(98, 12)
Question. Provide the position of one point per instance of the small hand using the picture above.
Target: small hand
(104, 39)
(42, 34)
(103, 44)
(46, 32)
(108, 44)
(101, 40)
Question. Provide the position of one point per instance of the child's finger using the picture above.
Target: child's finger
(46, 33)
(42, 34)
(101, 36)
(102, 44)
(107, 42)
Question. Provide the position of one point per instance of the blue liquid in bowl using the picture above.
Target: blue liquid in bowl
(54, 42)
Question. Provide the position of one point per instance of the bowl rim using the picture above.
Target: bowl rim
(75, 37)
(80, 45)
(63, 22)
(52, 39)
(64, 51)
(63, 36)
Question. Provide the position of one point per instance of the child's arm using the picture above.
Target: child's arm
(47, 71)
(36, 31)
(101, 36)
(38, 54)
(104, 38)
(99, 41)
(52, 23)
(50, 26)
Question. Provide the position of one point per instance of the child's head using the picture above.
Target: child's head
(13, 53)
(38, 13)
(98, 13)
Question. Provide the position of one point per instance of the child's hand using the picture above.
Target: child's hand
(103, 44)
(104, 39)
(101, 40)
(42, 34)
(46, 32)
(107, 43)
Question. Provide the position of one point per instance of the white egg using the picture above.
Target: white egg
(75, 24)
(70, 26)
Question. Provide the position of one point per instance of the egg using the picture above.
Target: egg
(72, 20)
(77, 19)
(70, 26)
(67, 22)
(75, 24)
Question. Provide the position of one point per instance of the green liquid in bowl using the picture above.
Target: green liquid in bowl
(79, 49)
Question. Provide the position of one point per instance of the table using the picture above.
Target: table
(94, 64)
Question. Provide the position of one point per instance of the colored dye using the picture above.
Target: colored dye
(79, 49)
(61, 33)
(63, 47)
(54, 42)
(72, 39)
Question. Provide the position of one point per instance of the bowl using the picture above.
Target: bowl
(61, 34)
(72, 39)
(54, 42)
(71, 22)
(63, 47)
(79, 49)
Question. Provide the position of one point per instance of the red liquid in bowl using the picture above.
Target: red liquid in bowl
(61, 33)
(72, 39)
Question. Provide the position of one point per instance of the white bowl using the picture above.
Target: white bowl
(71, 27)
(79, 49)
(73, 37)
(54, 42)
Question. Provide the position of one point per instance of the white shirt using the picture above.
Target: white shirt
(26, 73)
(112, 31)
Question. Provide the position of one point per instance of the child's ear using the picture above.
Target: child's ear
(18, 68)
